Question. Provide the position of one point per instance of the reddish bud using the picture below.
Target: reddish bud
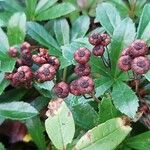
(82, 55)
(95, 39)
(98, 50)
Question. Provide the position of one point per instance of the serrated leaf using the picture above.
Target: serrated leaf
(36, 131)
(17, 28)
(107, 110)
(139, 142)
(102, 84)
(39, 33)
(106, 136)
(17, 110)
(44, 5)
(123, 35)
(144, 20)
(62, 31)
(125, 99)
(108, 16)
(56, 11)
(59, 122)
(80, 27)
(79, 106)
(44, 88)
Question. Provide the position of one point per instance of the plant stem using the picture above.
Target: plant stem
(64, 74)
(95, 98)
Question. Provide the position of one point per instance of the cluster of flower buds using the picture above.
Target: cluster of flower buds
(84, 84)
(134, 58)
(23, 74)
(49, 65)
(99, 41)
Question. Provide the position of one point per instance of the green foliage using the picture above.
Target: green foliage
(17, 110)
(59, 123)
(62, 27)
(106, 136)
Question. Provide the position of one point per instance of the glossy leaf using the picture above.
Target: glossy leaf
(58, 123)
(106, 136)
(123, 35)
(56, 11)
(125, 99)
(44, 88)
(102, 84)
(38, 33)
(80, 27)
(108, 16)
(62, 31)
(36, 131)
(44, 5)
(107, 110)
(140, 142)
(17, 28)
(144, 20)
(17, 110)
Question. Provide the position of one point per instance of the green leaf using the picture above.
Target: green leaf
(13, 95)
(3, 85)
(125, 99)
(121, 6)
(123, 35)
(144, 20)
(17, 28)
(44, 5)
(102, 84)
(4, 17)
(56, 11)
(2, 147)
(146, 34)
(147, 76)
(40, 102)
(107, 110)
(140, 142)
(79, 106)
(36, 131)
(30, 8)
(61, 29)
(4, 45)
(17, 110)
(108, 16)
(80, 27)
(106, 136)
(59, 122)
(44, 88)
(39, 33)
(12, 7)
